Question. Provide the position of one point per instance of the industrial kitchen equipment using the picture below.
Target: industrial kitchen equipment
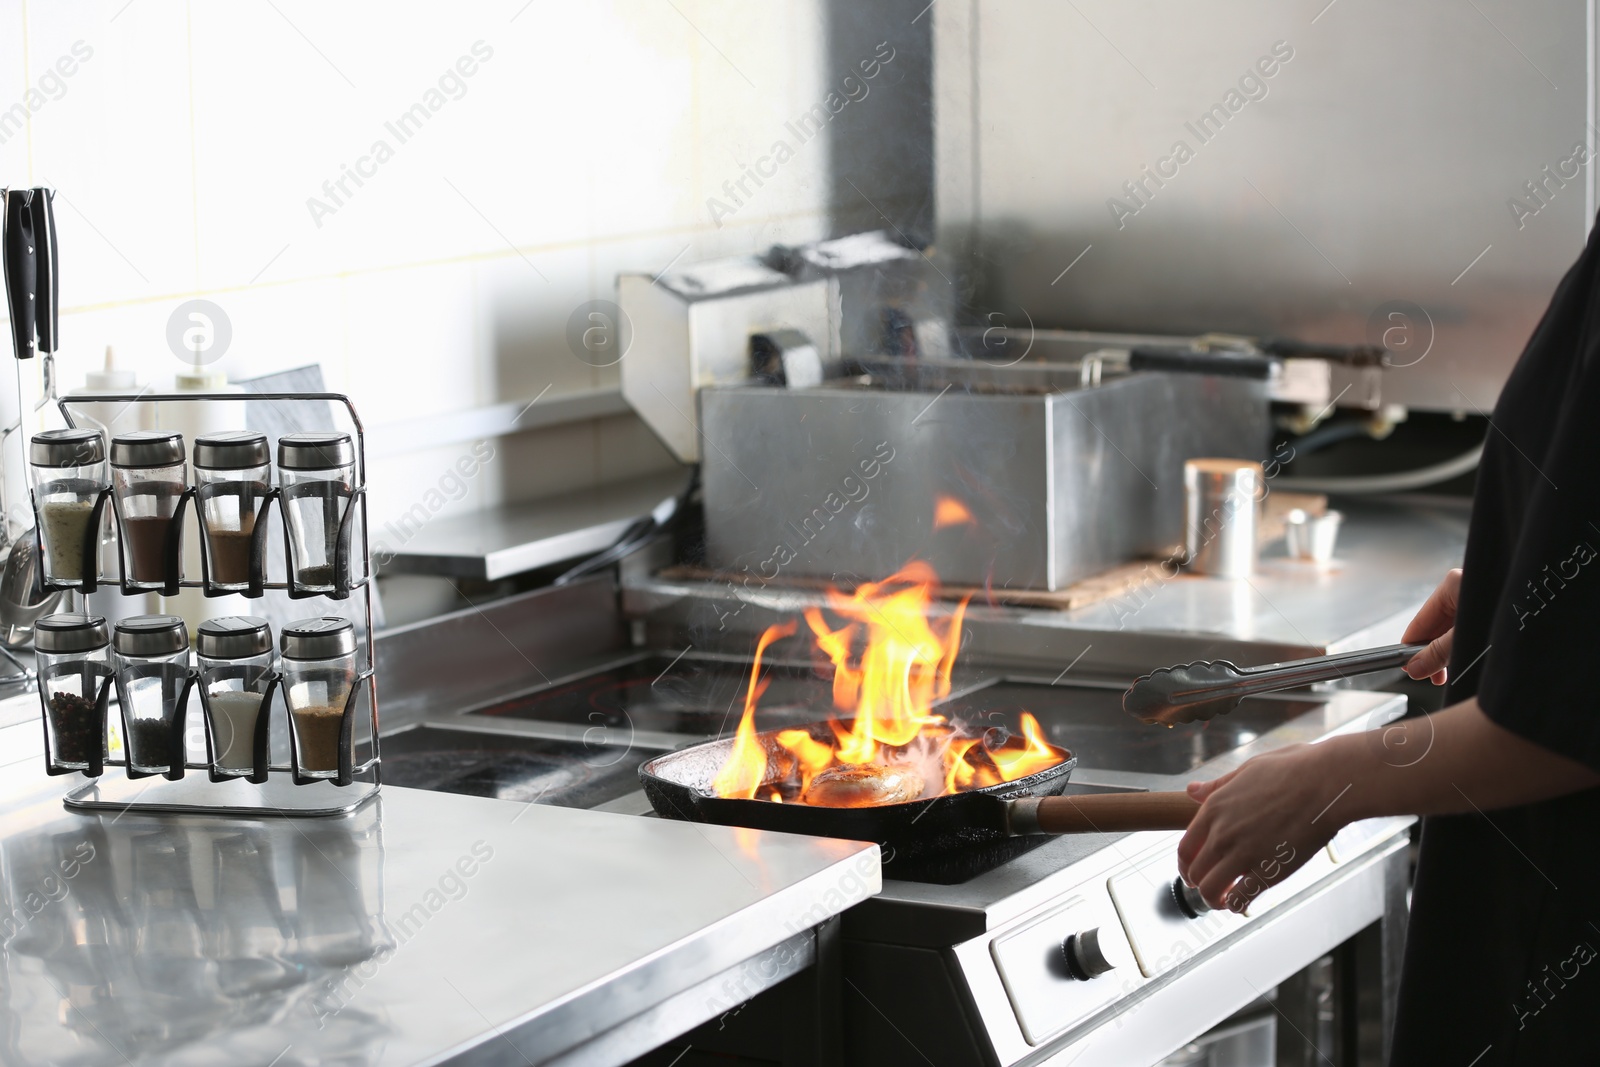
(843, 426)
(962, 953)
(1055, 465)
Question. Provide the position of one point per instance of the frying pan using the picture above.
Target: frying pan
(678, 785)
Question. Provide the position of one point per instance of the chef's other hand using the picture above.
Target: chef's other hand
(1435, 624)
(1257, 825)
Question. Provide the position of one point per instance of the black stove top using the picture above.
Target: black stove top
(692, 696)
(570, 774)
(1090, 723)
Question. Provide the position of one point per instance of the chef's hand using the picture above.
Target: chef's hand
(1257, 825)
(1435, 624)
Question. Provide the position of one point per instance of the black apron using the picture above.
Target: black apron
(1502, 961)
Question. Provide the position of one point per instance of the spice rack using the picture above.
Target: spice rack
(269, 788)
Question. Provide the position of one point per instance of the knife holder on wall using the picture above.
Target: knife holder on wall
(262, 790)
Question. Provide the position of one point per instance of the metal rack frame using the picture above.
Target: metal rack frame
(242, 797)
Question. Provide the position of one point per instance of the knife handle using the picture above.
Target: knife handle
(21, 270)
(47, 271)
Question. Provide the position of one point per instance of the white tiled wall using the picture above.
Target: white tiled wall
(585, 142)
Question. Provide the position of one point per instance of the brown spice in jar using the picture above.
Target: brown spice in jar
(230, 552)
(317, 729)
(145, 546)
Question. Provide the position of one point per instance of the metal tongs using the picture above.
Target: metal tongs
(1190, 691)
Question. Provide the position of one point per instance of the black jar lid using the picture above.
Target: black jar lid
(233, 637)
(231, 450)
(151, 635)
(315, 451)
(321, 638)
(70, 632)
(147, 448)
(67, 448)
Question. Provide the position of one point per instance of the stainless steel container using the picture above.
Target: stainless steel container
(1018, 477)
(1311, 537)
(1222, 510)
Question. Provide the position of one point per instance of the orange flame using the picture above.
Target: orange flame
(904, 667)
(745, 770)
(948, 511)
(1035, 755)
(958, 772)
(810, 754)
(892, 663)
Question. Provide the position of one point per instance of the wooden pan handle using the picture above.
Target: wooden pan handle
(1102, 813)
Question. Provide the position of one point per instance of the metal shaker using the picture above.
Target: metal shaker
(1222, 511)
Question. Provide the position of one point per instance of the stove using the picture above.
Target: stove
(689, 697)
(533, 770)
(866, 433)
(686, 699)
(962, 954)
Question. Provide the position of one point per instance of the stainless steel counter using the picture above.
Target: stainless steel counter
(502, 542)
(1391, 555)
(425, 928)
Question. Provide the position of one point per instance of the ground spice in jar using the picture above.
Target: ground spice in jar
(316, 577)
(66, 527)
(230, 551)
(73, 727)
(317, 729)
(145, 541)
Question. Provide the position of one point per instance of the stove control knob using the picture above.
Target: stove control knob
(1083, 955)
(1188, 899)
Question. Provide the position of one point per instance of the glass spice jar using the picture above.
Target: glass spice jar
(152, 665)
(316, 472)
(69, 474)
(318, 671)
(232, 473)
(149, 474)
(234, 656)
(72, 653)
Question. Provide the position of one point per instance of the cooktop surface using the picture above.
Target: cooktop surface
(1090, 723)
(697, 697)
(692, 696)
(572, 774)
